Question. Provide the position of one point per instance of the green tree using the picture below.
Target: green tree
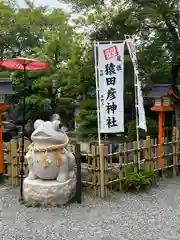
(39, 33)
(79, 71)
(152, 129)
(53, 36)
(87, 120)
(21, 29)
(55, 49)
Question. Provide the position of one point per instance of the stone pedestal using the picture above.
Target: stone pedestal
(49, 192)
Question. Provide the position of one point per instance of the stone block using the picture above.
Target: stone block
(49, 192)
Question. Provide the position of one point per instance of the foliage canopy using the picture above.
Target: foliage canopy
(65, 42)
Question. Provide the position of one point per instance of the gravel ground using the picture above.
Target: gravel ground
(154, 215)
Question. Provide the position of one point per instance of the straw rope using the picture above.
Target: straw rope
(48, 149)
(44, 151)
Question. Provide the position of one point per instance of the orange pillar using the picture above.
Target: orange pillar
(2, 107)
(161, 138)
(1, 146)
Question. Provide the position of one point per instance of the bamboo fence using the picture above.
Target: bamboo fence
(105, 167)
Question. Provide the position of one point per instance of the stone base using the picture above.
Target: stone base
(49, 192)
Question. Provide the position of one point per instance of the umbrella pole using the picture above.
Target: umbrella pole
(23, 135)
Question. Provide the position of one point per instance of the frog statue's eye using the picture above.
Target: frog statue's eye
(56, 125)
(38, 123)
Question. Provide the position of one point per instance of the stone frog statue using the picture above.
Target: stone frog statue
(47, 157)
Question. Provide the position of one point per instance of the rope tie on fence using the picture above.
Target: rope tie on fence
(51, 148)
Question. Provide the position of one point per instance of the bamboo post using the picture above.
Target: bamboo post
(174, 151)
(106, 174)
(89, 159)
(147, 153)
(153, 159)
(98, 171)
(9, 163)
(125, 160)
(120, 165)
(148, 145)
(155, 153)
(102, 161)
(94, 168)
(135, 159)
(165, 169)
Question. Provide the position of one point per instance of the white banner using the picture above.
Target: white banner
(111, 87)
(140, 106)
(141, 111)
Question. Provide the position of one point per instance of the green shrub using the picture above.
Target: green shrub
(138, 180)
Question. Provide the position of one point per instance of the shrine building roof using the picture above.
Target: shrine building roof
(159, 90)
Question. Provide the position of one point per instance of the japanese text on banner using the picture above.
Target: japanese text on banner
(111, 87)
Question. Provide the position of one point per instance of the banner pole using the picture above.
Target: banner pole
(137, 122)
(136, 109)
(97, 93)
(137, 117)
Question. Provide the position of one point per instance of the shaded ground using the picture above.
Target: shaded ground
(154, 215)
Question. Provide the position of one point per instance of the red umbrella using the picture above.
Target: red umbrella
(22, 64)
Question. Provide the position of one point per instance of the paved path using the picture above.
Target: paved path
(145, 216)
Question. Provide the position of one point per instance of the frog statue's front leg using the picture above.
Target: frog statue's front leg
(63, 170)
(29, 158)
(71, 163)
(66, 170)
